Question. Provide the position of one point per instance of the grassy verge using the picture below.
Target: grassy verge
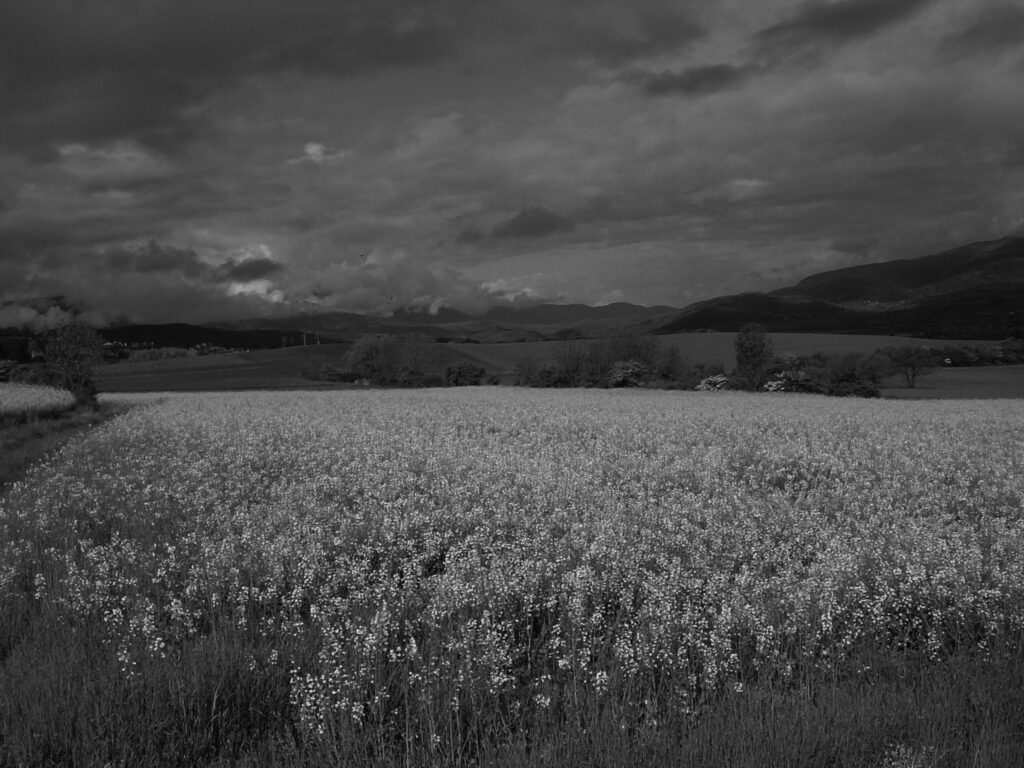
(64, 701)
(26, 439)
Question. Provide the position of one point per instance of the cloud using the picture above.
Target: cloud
(819, 23)
(114, 70)
(694, 81)
(794, 126)
(813, 32)
(42, 319)
(388, 280)
(151, 256)
(248, 269)
(318, 153)
(616, 33)
(533, 221)
(993, 30)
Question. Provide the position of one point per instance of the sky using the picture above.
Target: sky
(200, 160)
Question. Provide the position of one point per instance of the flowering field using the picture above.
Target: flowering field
(26, 399)
(430, 565)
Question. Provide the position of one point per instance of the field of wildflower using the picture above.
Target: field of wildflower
(411, 575)
(25, 400)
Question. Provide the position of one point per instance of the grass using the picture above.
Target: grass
(64, 702)
(710, 347)
(899, 714)
(996, 381)
(28, 439)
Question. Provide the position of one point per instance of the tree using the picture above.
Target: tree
(571, 362)
(71, 353)
(753, 353)
(376, 358)
(912, 362)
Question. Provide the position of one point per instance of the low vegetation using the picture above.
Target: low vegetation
(507, 577)
(28, 435)
(22, 402)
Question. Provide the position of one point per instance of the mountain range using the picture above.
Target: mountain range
(972, 292)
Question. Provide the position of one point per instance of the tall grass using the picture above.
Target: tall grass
(510, 577)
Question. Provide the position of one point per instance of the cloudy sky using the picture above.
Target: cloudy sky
(199, 159)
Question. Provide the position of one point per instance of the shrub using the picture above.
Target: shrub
(715, 383)
(464, 375)
(628, 373)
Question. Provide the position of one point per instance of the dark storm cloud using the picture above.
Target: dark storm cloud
(694, 81)
(993, 29)
(114, 68)
(246, 270)
(818, 23)
(533, 222)
(813, 31)
(155, 257)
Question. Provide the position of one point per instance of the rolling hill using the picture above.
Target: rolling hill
(975, 291)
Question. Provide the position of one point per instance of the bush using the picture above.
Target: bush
(839, 375)
(714, 383)
(464, 375)
(628, 373)
(414, 378)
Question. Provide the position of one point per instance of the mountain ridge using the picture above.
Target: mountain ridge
(972, 291)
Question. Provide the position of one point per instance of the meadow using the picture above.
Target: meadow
(504, 577)
(21, 401)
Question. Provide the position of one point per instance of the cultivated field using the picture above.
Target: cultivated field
(429, 577)
(712, 347)
(26, 400)
(285, 368)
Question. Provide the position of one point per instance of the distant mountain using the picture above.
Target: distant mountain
(975, 291)
(567, 314)
(533, 323)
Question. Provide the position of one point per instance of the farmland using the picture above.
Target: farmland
(434, 577)
(287, 368)
(20, 401)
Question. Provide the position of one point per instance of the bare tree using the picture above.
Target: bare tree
(571, 361)
(912, 362)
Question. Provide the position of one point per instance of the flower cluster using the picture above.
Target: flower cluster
(426, 551)
(26, 399)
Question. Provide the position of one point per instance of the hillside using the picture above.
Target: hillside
(975, 291)
(497, 325)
